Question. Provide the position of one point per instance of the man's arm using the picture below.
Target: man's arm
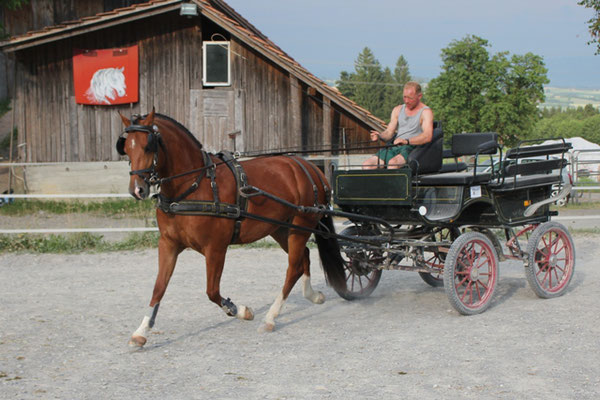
(427, 127)
(390, 131)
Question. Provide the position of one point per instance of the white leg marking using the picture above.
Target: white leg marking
(144, 328)
(274, 310)
(245, 313)
(309, 293)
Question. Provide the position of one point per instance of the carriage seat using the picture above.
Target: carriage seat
(531, 166)
(465, 144)
(427, 158)
(456, 166)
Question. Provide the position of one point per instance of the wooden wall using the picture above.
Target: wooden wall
(55, 128)
(269, 109)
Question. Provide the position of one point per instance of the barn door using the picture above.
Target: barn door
(222, 120)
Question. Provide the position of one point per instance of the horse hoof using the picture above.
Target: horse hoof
(248, 314)
(319, 298)
(267, 328)
(137, 341)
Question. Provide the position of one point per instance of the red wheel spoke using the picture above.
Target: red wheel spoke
(477, 288)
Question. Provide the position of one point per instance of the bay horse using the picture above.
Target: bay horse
(163, 152)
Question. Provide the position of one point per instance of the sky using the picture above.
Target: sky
(326, 36)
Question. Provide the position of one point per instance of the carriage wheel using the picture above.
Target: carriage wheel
(362, 275)
(471, 273)
(434, 258)
(551, 260)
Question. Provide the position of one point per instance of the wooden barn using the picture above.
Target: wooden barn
(211, 70)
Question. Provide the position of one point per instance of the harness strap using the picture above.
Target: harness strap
(312, 182)
(241, 180)
(326, 188)
(198, 208)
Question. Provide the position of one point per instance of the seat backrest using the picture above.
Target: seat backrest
(467, 144)
(427, 158)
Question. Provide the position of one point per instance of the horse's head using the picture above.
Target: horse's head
(140, 141)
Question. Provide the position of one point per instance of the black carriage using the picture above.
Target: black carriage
(444, 220)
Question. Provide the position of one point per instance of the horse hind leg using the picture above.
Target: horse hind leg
(307, 290)
(281, 237)
(298, 264)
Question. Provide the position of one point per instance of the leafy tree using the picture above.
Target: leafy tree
(594, 22)
(570, 122)
(479, 92)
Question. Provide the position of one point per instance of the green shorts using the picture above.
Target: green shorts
(390, 152)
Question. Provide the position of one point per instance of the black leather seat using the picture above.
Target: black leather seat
(427, 158)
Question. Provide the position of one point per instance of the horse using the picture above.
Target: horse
(164, 153)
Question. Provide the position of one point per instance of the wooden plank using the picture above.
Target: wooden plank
(327, 129)
(295, 110)
(239, 119)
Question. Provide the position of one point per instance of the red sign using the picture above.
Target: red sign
(107, 76)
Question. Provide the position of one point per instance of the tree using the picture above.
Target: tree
(370, 81)
(395, 85)
(594, 22)
(376, 89)
(477, 92)
(9, 5)
(570, 122)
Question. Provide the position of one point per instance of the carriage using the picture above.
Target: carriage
(445, 220)
(442, 220)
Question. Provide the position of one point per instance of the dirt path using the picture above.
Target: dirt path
(65, 322)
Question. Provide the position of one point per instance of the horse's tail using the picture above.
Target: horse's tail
(331, 258)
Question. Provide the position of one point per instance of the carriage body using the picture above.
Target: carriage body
(447, 224)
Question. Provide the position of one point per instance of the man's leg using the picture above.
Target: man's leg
(396, 162)
(373, 162)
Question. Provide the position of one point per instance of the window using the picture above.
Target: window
(216, 70)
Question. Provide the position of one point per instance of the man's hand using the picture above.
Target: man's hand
(375, 136)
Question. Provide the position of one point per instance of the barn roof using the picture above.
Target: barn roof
(215, 10)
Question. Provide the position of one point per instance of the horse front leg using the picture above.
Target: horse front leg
(167, 258)
(215, 261)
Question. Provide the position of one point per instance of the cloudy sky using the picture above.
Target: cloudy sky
(326, 36)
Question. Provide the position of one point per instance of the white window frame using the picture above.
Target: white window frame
(205, 45)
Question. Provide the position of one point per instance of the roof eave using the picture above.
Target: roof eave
(24, 42)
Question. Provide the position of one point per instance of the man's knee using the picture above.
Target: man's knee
(371, 162)
(396, 162)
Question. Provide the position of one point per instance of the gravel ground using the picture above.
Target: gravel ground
(65, 321)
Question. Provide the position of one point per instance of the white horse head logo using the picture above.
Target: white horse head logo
(106, 85)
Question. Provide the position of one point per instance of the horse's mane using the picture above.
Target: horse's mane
(178, 124)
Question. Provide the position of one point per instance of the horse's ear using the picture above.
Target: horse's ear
(125, 120)
(149, 118)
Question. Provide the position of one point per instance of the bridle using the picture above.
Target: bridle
(149, 175)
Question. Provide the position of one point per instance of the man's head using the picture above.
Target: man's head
(412, 94)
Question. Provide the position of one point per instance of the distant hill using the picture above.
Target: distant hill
(562, 97)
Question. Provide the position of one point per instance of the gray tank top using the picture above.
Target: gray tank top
(409, 127)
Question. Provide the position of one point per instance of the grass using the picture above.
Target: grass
(89, 243)
(74, 243)
(108, 208)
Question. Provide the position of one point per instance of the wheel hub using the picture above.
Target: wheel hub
(474, 274)
(552, 261)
